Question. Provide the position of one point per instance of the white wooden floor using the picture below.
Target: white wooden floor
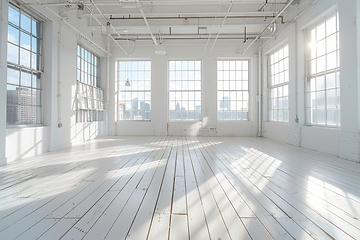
(168, 187)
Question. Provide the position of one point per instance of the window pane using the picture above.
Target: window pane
(13, 16)
(136, 97)
(13, 75)
(231, 94)
(13, 35)
(278, 85)
(24, 85)
(323, 88)
(184, 90)
(12, 53)
(25, 23)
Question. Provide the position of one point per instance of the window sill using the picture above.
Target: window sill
(25, 126)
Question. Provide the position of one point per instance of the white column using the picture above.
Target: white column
(349, 144)
(3, 74)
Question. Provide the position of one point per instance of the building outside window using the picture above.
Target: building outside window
(134, 86)
(323, 75)
(184, 90)
(90, 107)
(232, 90)
(279, 86)
(24, 61)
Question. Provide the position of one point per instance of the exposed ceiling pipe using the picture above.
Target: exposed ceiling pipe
(105, 27)
(186, 38)
(193, 17)
(276, 17)
(208, 40)
(157, 2)
(73, 28)
(222, 24)
(148, 26)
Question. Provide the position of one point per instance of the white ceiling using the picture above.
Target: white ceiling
(182, 20)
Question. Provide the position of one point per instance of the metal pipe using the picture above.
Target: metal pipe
(260, 77)
(222, 24)
(107, 22)
(276, 17)
(148, 26)
(157, 2)
(73, 28)
(193, 17)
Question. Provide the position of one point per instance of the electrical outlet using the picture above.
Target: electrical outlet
(59, 125)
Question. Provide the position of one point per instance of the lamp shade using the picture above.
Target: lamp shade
(160, 49)
(127, 83)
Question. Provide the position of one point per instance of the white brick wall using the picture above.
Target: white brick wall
(349, 146)
(294, 136)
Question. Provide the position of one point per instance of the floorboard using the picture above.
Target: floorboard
(180, 187)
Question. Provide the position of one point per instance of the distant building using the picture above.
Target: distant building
(20, 110)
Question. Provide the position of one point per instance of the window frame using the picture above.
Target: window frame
(35, 38)
(90, 96)
(311, 78)
(234, 91)
(274, 71)
(146, 90)
(196, 92)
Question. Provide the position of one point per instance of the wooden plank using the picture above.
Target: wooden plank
(38, 229)
(179, 227)
(159, 228)
(260, 205)
(141, 224)
(198, 228)
(59, 229)
(82, 227)
(122, 224)
(256, 229)
(231, 219)
(223, 182)
(312, 213)
(216, 225)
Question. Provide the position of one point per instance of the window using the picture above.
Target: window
(134, 84)
(323, 78)
(23, 68)
(90, 96)
(88, 67)
(184, 90)
(279, 86)
(232, 89)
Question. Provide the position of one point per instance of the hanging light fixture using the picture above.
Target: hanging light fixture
(127, 83)
(160, 49)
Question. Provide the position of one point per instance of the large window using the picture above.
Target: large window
(279, 85)
(23, 68)
(134, 85)
(90, 95)
(233, 89)
(323, 78)
(184, 90)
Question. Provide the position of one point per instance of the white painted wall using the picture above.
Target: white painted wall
(3, 74)
(208, 125)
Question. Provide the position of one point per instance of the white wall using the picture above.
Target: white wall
(59, 90)
(3, 74)
(342, 141)
(208, 125)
